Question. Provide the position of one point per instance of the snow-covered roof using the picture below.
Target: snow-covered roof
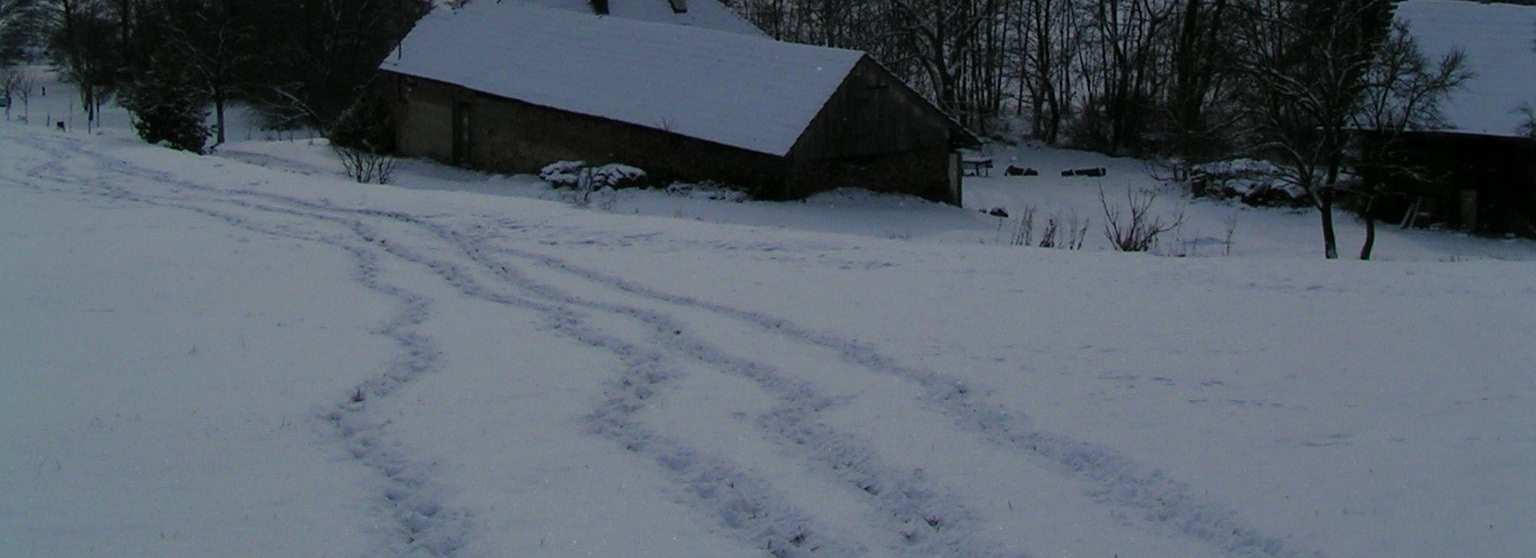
(737, 90)
(1500, 42)
(708, 14)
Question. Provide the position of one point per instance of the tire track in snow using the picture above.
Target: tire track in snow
(422, 523)
(743, 504)
(1116, 479)
(927, 521)
(923, 521)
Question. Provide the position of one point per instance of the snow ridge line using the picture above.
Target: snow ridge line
(743, 504)
(1116, 479)
(422, 524)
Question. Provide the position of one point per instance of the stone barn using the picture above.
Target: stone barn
(512, 87)
(1477, 171)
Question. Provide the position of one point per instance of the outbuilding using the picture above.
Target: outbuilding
(512, 87)
(1477, 170)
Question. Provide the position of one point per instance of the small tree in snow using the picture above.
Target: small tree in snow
(363, 138)
(1133, 228)
(10, 79)
(167, 104)
(26, 83)
(16, 86)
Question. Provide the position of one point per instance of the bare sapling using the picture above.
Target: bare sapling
(1052, 229)
(1226, 242)
(366, 166)
(1133, 228)
(1077, 231)
(1024, 229)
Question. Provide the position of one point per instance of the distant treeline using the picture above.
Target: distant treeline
(300, 62)
(1120, 76)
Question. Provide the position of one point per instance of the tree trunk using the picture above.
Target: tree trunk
(1330, 240)
(218, 111)
(1370, 230)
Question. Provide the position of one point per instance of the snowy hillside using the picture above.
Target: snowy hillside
(245, 355)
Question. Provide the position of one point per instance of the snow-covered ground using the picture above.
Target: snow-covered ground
(1257, 232)
(246, 355)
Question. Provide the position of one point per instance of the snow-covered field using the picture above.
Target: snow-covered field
(245, 355)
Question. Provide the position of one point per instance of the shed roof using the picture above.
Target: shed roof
(1500, 43)
(737, 90)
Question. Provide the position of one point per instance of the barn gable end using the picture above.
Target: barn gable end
(876, 133)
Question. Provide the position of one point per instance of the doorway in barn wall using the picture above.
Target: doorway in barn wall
(463, 120)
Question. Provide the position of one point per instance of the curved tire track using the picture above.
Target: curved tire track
(743, 504)
(1116, 480)
(421, 523)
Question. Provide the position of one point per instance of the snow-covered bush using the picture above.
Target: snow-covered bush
(577, 174)
(617, 176)
(364, 166)
(363, 137)
(1254, 182)
(707, 191)
(563, 174)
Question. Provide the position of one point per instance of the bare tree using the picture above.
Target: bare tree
(939, 30)
(1528, 112)
(215, 43)
(1047, 43)
(1306, 66)
(1122, 70)
(26, 84)
(85, 50)
(16, 84)
(10, 78)
(1200, 60)
(1403, 93)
